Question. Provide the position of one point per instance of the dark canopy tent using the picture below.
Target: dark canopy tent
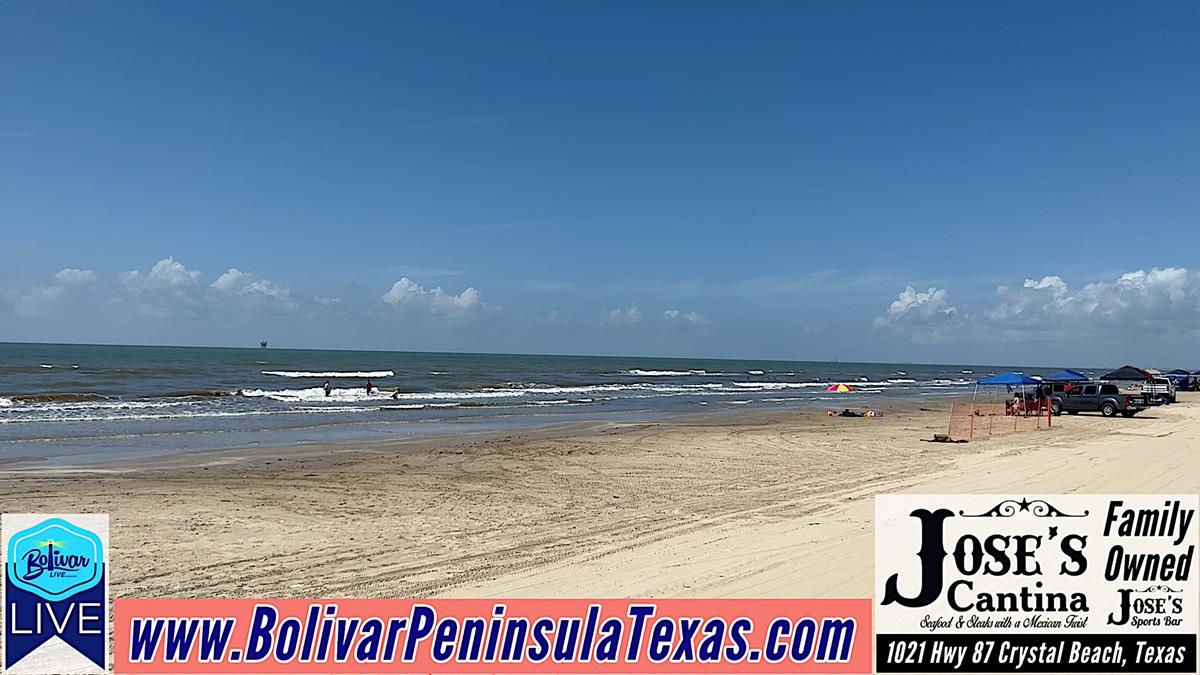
(1067, 375)
(1129, 373)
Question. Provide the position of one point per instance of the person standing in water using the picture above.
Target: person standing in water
(328, 389)
(369, 387)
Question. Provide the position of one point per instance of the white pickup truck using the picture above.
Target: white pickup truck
(1150, 384)
(1160, 389)
(1156, 391)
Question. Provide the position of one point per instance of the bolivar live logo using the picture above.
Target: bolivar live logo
(55, 593)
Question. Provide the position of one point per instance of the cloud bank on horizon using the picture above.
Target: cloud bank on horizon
(1138, 305)
(170, 301)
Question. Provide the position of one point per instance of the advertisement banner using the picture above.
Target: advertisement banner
(492, 636)
(1036, 583)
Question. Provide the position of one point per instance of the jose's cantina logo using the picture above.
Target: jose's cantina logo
(1051, 550)
(995, 555)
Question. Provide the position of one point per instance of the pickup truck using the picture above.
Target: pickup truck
(1160, 389)
(1106, 399)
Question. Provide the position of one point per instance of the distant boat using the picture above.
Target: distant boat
(263, 344)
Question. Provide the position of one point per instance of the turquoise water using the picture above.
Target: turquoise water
(88, 403)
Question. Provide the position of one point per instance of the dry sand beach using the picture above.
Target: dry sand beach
(754, 505)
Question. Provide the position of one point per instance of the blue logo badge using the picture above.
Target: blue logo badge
(55, 559)
(55, 575)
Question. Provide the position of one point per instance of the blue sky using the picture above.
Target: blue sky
(716, 179)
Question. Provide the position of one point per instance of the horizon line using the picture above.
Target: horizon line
(589, 356)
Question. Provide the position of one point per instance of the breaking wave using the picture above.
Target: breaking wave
(342, 395)
(331, 373)
(58, 396)
(635, 389)
(199, 393)
(778, 385)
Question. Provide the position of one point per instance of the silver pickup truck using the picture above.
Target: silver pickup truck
(1104, 398)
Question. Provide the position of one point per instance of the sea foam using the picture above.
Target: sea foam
(331, 373)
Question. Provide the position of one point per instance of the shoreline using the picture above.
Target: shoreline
(532, 432)
(138, 402)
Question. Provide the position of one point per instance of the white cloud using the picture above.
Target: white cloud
(166, 273)
(913, 306)
(266, 289)
(1168, 295)
(38, 301)
(1167, 298)
(237, 282)
(229, 280)
(689, 317)
(436, 300)
(41, 299)
(625, 316)
(1055, 284)
(1157, 294)
(170, 273)
(926, 315)
(404, 290)
(170, 289)
(72, 275)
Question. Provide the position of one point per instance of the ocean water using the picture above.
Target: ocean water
(76, 404)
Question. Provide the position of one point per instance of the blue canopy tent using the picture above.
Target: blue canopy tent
(1010, 380)
(992, 415)
(1068, 375)
(1181, 378)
